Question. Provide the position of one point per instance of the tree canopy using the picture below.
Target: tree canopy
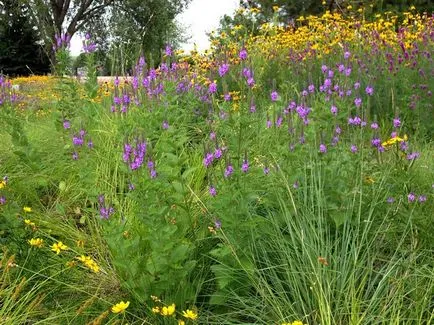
(20, 49)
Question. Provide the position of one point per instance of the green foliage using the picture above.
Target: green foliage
(20, 53)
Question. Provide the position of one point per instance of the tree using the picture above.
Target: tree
(20, 51)
(143, 28)
(144, 17)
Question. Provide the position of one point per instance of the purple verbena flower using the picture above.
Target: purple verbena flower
(245, 166)
(354, 148)
(411, 197)
(228, 171)
(243, 54)
(358, 102)
(212, 191)
(322, 148)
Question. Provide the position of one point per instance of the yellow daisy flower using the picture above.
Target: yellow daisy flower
(120, 307)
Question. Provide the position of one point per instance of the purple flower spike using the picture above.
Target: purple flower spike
(334, 110)
(229, 170)
(212, 89)
(358, 102)
(243, 54)
(322, 148)
(354, 148)
(245, 166)
(212, 191)
(411, 197)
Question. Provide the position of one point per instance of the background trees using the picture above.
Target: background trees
(123, 28)
(20, 49)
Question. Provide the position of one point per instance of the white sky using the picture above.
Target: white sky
(201, 16)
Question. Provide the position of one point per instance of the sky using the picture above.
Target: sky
(201, 16)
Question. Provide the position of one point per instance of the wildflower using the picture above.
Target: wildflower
(66, 124)
(77, 140)
(347, 55)
(274, 96)
(209, 158)
(212, 88)
(353, 148)
(413, 156)
(89, 263)
(27, 209)
(266, 170)
(369, 90)
(120, 307)
(375, 142)
(168, 311)
(168, 50)
(165, 125)
(357, 85)
(245, 166)
(58, 247)
(181, 322)
(396, 122)
(421, 198)
(358, 102)
(37, 242)
(223, 69)
(228, 171)
(28, 222)
(374, 126)
(217, 153)
(189, 314)
(156, 310)
(2, 200)
(217, 224)
(75, 155)
(212, 191)
(322, 148)
(334, 110)
(243, 54)
(390, 200)
(411, 197)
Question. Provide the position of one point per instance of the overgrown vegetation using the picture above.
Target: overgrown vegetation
(285, 178)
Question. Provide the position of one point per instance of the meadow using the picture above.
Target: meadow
(285, 178)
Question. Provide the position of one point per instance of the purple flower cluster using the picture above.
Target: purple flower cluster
(105, 211)
(61, 41)
(134, 154)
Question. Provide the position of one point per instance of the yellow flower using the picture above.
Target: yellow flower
(38, 242)
(181, 322)
(297, 322)
(2, 184)
(89, 262)
(156, 310)
(27, 209)
(168, 311)
(28, 222)
(120, 307)
(59, 246)
(189, 314)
